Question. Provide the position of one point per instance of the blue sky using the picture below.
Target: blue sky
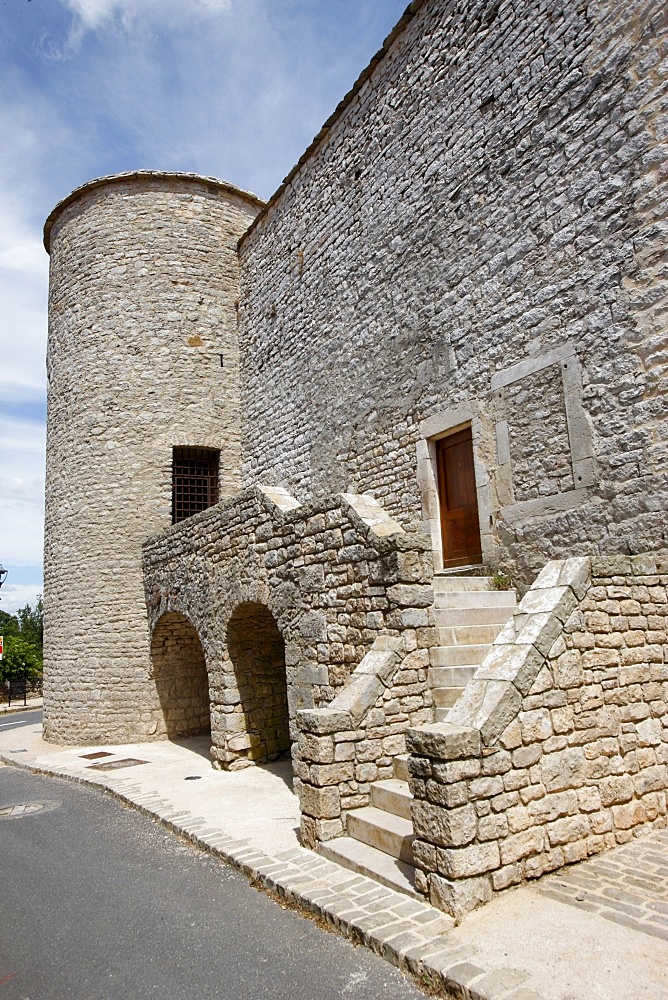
(231, 88)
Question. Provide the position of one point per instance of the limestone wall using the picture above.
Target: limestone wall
(326, 578)
(558, 747)
(142, 356)
(477, 235)
(353, 741)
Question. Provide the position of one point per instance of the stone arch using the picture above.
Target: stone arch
(257, 654)
(181, 678)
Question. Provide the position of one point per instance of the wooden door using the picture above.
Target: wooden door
(460, 528)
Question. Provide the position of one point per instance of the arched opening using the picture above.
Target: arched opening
(180, 675)
(257, 652)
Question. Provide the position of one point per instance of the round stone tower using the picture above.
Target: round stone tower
(142, 368)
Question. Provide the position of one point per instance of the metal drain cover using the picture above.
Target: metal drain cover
(17, 810)
(114, 765)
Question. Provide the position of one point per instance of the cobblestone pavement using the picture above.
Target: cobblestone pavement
(628, 885)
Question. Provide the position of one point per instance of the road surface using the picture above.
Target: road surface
(98, 903)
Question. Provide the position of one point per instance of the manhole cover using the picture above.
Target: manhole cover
(96, 755)
(19, 809)
(114, 765)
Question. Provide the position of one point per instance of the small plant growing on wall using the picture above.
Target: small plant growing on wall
(501, 579)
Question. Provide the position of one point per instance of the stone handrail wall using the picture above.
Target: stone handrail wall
(558, 748)
(352, 742)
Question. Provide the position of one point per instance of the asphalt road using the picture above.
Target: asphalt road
(14, 720)
(98, 903)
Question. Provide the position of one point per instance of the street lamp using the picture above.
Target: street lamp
(3, 574)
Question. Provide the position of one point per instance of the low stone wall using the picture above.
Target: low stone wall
(333, 575)
(344, 747)
(558, 748)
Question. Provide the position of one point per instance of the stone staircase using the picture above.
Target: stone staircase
(380, 836)
(470, 613)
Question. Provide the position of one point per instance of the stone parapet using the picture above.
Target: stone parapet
(558, 748)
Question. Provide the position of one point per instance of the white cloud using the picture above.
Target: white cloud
(24, 269)
(94, 14)
(21, 492)
(16, 596)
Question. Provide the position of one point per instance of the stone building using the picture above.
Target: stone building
(304, 456)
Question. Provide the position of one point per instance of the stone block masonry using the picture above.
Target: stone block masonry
(289, 601)
(142, 357)
(558, 748)
(490, 194)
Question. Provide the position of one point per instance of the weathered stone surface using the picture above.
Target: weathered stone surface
(445, 827)
(458, 897)
(443, 741)
(565, 769)
(324, 720)
(489, 706)
(410, 595)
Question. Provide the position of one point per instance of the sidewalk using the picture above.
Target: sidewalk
(596, 931)
(18, 706)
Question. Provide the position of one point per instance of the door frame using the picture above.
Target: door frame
(433, 429)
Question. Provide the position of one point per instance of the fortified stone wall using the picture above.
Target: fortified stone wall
(558, 748)
(142, 356)
(477, 235)
(325, 580)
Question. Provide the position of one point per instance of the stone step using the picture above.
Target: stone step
(475, 599)
(444, 617)
(445, 697)
(369, 861)
(388, 833)
(456, 656)
(401, 767)
(447, 582)
(451, 677)
(392, 795)
(468, 635)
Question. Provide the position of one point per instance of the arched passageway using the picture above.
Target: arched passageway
(181, 680)
(257, 652)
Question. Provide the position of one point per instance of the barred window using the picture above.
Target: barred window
(194, 481)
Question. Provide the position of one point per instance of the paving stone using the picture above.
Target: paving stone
(604, 886)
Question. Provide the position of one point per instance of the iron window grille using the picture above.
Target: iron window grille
(194, 481)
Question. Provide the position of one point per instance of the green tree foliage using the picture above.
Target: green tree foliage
(22, 643)
(31, 623)
(18, 656)
(9, 624)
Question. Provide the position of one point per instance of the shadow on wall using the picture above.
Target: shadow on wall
(181, 679)
(257, 652)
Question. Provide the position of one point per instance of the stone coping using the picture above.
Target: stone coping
(386, 534)
(492, 698)
(157, 176)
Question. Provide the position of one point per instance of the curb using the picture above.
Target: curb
(6, 709)
(405, 932)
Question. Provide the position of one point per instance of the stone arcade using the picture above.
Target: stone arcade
(298, 450)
